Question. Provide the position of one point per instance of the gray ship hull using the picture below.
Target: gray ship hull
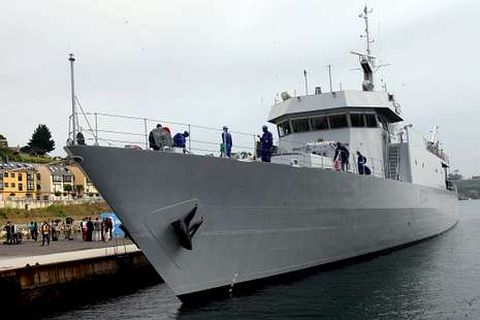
(259, 219)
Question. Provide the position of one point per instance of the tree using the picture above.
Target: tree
(3, 141)
(41, 141)
(455, 176)
(67, 188)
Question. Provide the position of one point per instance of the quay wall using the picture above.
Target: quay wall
(70, 283)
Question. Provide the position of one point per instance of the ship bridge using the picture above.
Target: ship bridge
(350, 101)
(358, 119)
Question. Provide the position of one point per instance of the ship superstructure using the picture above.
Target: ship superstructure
(365, 121)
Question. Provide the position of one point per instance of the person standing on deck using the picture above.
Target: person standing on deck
(361, 160)
(179, 140)
(155, 136)
(342, 153)
(266, 141)
(227, 142)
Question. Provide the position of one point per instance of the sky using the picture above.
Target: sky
(223, 62)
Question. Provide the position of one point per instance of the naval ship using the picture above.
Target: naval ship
(212, 224)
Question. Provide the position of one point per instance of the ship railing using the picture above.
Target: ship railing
(308, 159)
(100, 128)
(123, 131)
(436, 150)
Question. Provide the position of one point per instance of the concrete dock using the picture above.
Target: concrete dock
(37, 276)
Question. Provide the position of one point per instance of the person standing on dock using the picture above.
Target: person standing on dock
(9, 231)
(53, 229)
(106, 231)
(83, 227)
(35, 231)
(45, 233)
(110, 228)
(97, 230)
(226, 143)
(68, 228)
(89, 229)
(30, 229)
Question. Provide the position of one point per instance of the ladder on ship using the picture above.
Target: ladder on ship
(393, 162)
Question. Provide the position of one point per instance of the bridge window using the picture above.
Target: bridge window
(320, 123)
(300, 125)
(338, 121)
(284, 129)
(371, 120)
(357, 120)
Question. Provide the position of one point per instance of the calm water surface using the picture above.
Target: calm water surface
(436, 279)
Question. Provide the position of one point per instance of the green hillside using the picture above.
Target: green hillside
(13, 156)
(468, 188)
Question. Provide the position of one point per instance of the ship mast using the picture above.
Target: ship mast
(364, 15)
(366, 59)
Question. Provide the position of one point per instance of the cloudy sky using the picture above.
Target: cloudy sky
(223, 62)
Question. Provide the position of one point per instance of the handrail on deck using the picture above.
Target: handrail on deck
(202, 139)
(101, 132)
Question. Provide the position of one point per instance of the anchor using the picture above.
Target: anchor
(184, 231)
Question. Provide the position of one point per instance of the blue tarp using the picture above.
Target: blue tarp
(117, 232)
